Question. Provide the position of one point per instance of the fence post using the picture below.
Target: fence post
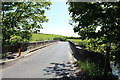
(19, 51)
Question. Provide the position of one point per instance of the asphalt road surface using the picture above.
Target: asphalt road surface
(51, 62)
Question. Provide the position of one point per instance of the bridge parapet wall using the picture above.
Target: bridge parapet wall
(84, 54)
(25, 46)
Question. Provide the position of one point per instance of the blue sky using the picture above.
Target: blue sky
(58, 16)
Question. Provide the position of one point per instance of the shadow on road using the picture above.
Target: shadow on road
(61, 70)
(68, 71)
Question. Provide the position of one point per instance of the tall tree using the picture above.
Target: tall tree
(87, 16)
(21, 18)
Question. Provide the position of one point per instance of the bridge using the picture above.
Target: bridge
(54, 61)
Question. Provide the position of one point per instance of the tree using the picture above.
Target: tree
(87, 16)
(22, 18)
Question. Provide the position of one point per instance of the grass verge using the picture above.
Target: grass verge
(93, 71)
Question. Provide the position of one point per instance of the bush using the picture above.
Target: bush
(60, 38)
(16, 39)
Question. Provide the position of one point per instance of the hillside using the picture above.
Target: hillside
(42, 37)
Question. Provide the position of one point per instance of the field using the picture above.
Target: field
(89, 44)
(42, 37)
(79, 41)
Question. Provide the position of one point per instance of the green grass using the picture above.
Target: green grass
(42, 37)
(78, 41)
(88, 45)
(90, 68)
(93, 71)
(81, 43)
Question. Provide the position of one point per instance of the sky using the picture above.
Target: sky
(58, 16)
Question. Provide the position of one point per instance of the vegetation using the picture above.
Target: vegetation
(92, 71)
(20, 19)
(60, 38)
(90, 68)
(89, 44)
(81, 43)
(88, 16)
(41, 37)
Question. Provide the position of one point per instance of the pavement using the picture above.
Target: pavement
(51, 62)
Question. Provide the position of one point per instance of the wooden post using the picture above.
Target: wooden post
(19, 51)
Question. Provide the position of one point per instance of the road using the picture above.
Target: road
(52, 62)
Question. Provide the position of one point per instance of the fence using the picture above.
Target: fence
(25, 46)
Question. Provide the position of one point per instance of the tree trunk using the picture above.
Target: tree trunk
(107, 61)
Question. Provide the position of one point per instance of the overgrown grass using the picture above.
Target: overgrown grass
(89, 68)
(42, 37)
(93, 71)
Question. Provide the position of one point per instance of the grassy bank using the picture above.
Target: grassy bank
(91, 71)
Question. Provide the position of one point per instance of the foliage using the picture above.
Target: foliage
(60, 38)
(15, 39)
(81, 43)
(88, 16)
(22, 18)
